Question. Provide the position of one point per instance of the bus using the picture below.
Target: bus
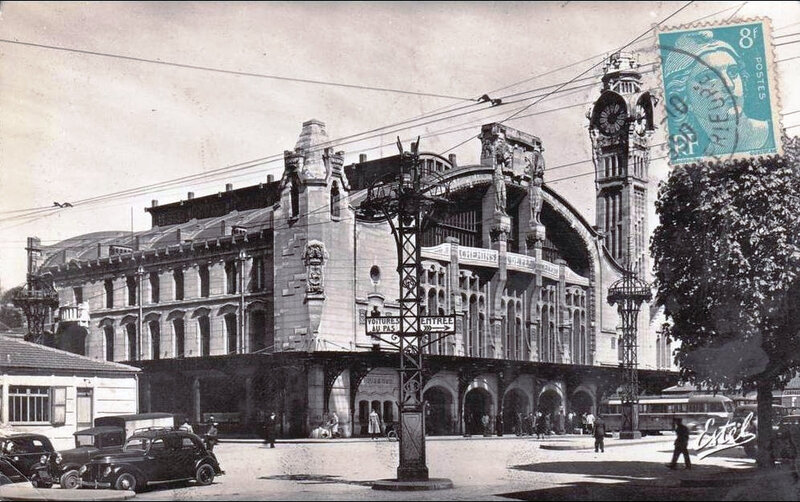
(656, 413)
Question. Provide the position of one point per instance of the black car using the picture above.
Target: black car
(24, 451)
(152, 457)
(62, 467)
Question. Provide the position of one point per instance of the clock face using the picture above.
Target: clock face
(612, 118)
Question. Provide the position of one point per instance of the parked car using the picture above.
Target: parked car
(132, 423)
(24, 451)
(62, 467)
(786, 441)
(151, 457)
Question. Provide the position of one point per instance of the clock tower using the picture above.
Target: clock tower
(621, 127)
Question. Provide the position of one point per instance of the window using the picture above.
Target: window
(205, 335)
(230, 277)
(230, 331)
(109, 335)
(130, 332)
(109, 288)
(295, 195)
(180, 339)
(154, 293)
(177, 277)
(335, 195)
(188, 443)
(155, 340)
(77, 292)
(257, 282)
(131, 283)
(37, 404)
(204, 286)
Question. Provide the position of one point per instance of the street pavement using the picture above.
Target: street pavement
(481, 468)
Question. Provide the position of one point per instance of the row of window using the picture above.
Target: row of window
(712, 407)
(258, 283)
(257, 331)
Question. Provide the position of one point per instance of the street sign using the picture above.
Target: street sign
(438, 324)
(390, 325)
(385, 325)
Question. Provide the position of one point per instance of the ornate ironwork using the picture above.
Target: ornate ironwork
(628, 294)
(402, 200)
(37, 300)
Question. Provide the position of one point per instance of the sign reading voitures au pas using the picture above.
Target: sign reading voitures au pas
(427, 324)
(720, 91)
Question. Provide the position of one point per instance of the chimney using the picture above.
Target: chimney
(190, 196)
(362, 158)
(222, 227)
(136, 243)
(178, 231)
(228, 187)
(270, 178)
(154, 203)
(452, 159)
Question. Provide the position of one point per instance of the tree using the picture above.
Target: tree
(727, 267)
(10, 315)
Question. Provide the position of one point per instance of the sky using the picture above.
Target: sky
(75, 126)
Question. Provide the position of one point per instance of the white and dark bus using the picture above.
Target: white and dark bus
(656, 413)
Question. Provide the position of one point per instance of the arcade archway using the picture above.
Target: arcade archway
(515, 407)
(581, 402)
(477, 403)
(438, 407)
(549, 404)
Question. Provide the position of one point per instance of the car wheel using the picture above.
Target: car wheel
(70, 480)
(205, 475)
(37, 482)
(126, 481)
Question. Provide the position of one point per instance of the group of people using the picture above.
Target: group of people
(545, 424)
(209, 437)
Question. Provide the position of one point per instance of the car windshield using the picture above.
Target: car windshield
(84, 440)
(135, 443)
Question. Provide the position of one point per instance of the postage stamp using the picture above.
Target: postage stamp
(720, 91)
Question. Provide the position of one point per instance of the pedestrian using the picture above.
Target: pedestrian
(269, 430)
(560, 419)
(590, 422)
(539, 425)
(548, 425)
(485, 422)
(519, 430)
(334, 425)
(584, 430)
(681, 444)
(186, 426)
(468, 419)
(374, 424)
(499, 425)
(599, 435)
(570, 423)
(210, 438)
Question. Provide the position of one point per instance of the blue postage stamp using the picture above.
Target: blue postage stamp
(720, 91)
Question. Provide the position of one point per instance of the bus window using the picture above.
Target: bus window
(715, 407)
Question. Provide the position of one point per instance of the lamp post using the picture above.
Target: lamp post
(628, 294)
(401, 200)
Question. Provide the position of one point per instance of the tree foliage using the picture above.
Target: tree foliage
(727, 267)
(10, 315)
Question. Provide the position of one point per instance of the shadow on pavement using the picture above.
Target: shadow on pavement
(653, 481)
(316, 479)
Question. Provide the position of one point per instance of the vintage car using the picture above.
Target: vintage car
(62, 467)
(786, 441)
(150, 457)
(24, 451)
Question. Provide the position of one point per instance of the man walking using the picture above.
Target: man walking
(681, 444)
(269, 430)
(599, 435)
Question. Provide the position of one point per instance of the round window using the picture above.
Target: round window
(375, 274)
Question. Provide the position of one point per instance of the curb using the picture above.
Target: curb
(25, 491)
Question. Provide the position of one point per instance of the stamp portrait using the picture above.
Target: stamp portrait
(720, 91)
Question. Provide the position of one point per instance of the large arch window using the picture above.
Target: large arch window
(177, 278)
(155, 340)
(230, 277)
(133, 347)
(108, 332)
(108, 285)
(203, 273)
(130, 282)
(204, 326)
(179, 332)
(231, 332)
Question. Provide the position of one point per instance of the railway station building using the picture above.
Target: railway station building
(255, 299)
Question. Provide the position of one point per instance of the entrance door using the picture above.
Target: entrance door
(477, 403)
(84, 408)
